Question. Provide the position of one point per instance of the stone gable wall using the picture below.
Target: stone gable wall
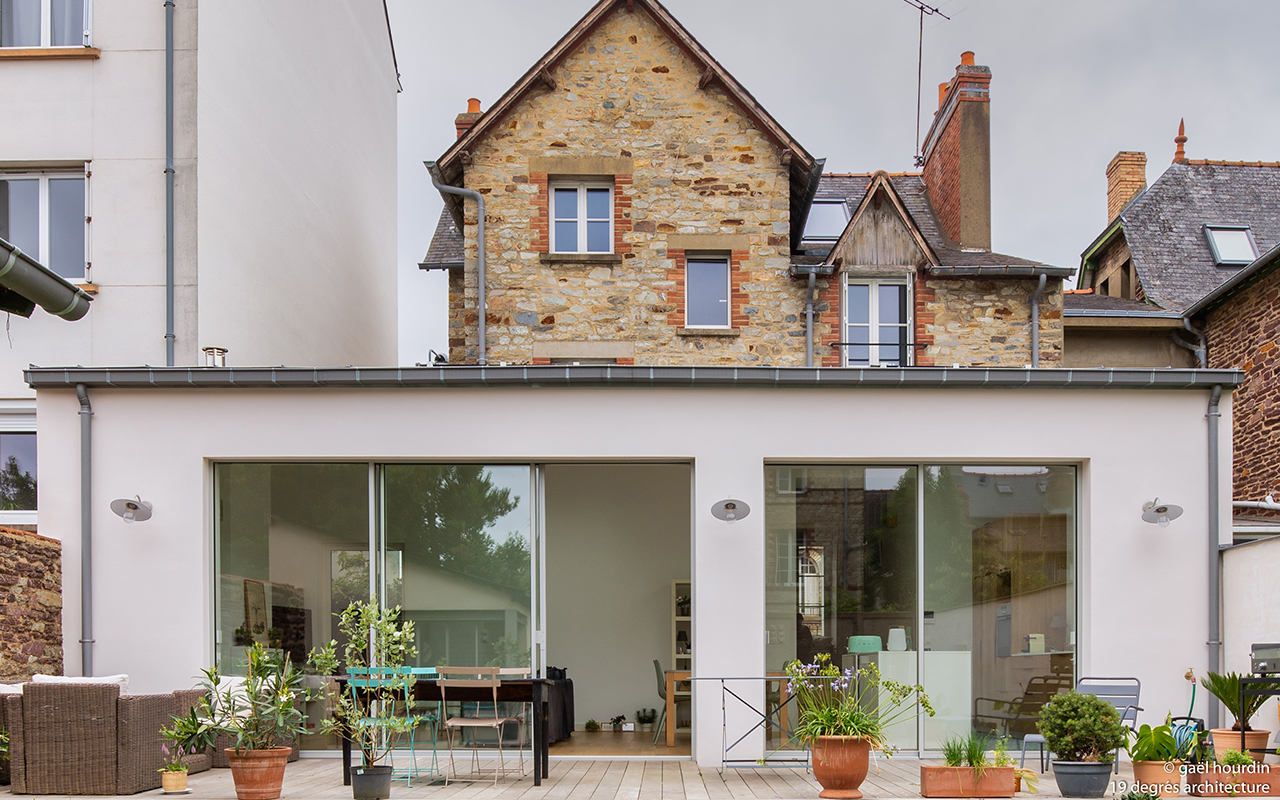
(30, 605)
(1242, 334)
(986, 323)
(699, 167)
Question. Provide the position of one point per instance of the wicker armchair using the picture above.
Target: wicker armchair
(76, 739)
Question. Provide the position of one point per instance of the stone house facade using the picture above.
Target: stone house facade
(642, 208)
(30, 604)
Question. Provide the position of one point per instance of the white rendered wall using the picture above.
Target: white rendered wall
(297, 193)
(110, 112)
(153, 580)
(1250, 614)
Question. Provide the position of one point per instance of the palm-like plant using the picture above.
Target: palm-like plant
(1227, 689)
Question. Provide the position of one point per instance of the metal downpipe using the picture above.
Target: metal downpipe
(808, 320)
(169, 243)
(1201, 350)
(1215, 551)
(86, 533)
(480, 281)
(1035, 320)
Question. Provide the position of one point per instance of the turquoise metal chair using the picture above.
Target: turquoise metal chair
(429, 718)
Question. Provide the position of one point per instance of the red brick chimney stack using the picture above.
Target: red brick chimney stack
(1126, 177)
(464, 121)
(1180, 157)
(957, 156)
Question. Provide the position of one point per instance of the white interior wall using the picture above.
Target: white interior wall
(617, 536)
(156, 577)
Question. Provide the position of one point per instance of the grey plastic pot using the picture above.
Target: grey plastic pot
(1083, 778)
(371, 783)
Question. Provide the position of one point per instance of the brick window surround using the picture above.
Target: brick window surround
(738, 298)
(541, 218)
(826, 351)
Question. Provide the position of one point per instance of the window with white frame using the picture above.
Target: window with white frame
(43, 214)
(581, 217)
(17, 471)
(706, 292)
(877, 323)
(44, 23)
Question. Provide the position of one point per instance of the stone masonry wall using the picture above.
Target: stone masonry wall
(1242, 334)
(986, 323)
(702, 178)
(30, 605)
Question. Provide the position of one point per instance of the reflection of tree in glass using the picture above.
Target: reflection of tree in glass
(948, 561)
(443, 514)
(890, 565)
(351, 583)
(17, 487)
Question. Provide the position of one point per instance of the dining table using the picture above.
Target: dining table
(673, 676)
(512, 690)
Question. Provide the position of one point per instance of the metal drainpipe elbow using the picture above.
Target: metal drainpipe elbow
(1202, 350)
(480, 265)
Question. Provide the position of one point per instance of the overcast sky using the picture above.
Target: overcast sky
(1073, 82)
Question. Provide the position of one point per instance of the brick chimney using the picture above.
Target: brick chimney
(463, 122)
(1126, 177)
(957, 156)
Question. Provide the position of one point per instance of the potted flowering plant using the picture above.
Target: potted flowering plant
(173, 775)
(841, 721)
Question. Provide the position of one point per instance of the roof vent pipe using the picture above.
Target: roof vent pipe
(480, 282)
(1035, 320)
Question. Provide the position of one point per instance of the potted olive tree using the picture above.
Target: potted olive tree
(844, 714)
(1083, 731)
(258, 713)
(1227, 689)
(373, 709)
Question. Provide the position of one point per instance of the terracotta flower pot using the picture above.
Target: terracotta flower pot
(171, 781)
(1162, 777)
(939, 781)
(840, 765)
(1229, 739)
(258, 774)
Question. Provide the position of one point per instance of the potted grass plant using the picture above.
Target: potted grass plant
(843, 716)
(374, 707)
(967, 771)
(1083, 731)
(257, 713)
(1227, 689)
(1157, 759)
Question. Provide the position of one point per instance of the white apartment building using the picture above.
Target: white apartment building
(282, 242)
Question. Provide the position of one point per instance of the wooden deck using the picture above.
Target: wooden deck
(321, 778)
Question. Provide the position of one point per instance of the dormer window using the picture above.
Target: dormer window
(1232, 245)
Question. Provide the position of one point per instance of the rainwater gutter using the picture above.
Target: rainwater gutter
(40, 286)
(86, 534)
(480, 281)
(1035, 320)
(1215, 549)
(169, 243)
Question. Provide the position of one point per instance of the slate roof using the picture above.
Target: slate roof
(1164, 226)
(446, 244)
(1086, 303)
(915, 198)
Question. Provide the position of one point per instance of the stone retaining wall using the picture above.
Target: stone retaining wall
(30, 604)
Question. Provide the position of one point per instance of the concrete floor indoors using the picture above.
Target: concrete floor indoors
(321, 778)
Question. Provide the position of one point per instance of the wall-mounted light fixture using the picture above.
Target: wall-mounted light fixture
(730, 510)
(1160, 513)
(135, 510)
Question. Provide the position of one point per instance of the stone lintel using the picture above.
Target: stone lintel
(708, 241)
(579, 165)
(608, 350)
(603, 259)
(725, 332)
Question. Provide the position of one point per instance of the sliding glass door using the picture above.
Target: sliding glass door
(958, 577)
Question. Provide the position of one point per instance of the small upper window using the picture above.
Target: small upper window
(707, 293)
(43, 23)
(1232, 244)
(582, 218)
(827, 220)
(17, 471)
(43, 215)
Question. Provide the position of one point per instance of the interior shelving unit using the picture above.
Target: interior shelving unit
(682, 634)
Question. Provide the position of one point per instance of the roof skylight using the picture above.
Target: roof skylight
(1231, 244)
(827, 219)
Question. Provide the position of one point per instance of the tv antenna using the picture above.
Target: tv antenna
(924, 9)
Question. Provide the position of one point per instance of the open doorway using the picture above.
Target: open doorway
(618, 595)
